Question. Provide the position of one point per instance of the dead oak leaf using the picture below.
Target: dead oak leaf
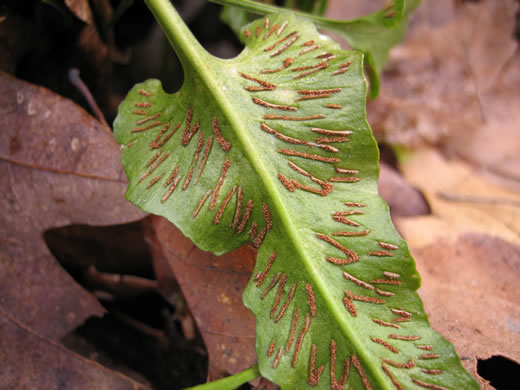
(30, 361)
(212, 286)
(58, 166)
(467, 252)
(470, 292)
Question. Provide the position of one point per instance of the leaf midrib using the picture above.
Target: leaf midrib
(193, 55)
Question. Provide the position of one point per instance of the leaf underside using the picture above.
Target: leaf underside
(374, 34)
(273, 148)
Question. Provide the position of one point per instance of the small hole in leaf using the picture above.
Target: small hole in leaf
(498, 370)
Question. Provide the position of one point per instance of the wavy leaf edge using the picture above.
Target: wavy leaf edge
(288, 113)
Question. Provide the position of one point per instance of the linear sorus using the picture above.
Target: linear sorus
(309, 49)
(285, 47)
(147, 127)
(334, 383)
(322, 66)
(314, 374)
(286, 63)
(272, 30)
(293, 118)
(287, 302)
(225, 167)
(265, 86)
(351, 234)
(148, 119)
(207, 150)
(273, 106)
(201, 203)
(288, 36)
(161, 139)
(224, 144)
(299, 342)
(292, 332)
(222, 207)
(315, 157)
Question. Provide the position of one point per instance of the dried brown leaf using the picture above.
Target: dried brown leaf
(467, 253)
(212, 286)
(462, 200)
(58, 166)
(455, 84)
(470, 291)
(30, 361)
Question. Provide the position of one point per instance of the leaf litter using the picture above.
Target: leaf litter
(212, 286)
(454, 83)
(34, 362)
(56, 170)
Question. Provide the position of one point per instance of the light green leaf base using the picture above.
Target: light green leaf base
(273, 148)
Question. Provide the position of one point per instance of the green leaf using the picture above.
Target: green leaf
(272, 147)
(374, 34)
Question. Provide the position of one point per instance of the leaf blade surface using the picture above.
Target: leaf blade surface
(287, 161)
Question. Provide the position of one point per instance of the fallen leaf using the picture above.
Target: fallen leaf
(467, 254)
(58, 166)
(454, 84)
(461, 200)
(470, 291)
(212, 286)
(30, 361)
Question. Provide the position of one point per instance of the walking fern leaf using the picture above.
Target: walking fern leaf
(272, 147)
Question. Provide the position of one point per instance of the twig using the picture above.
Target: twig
(75, 79)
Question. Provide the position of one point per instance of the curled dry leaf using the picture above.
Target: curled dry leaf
(454, 84)
(58, 166)
(34, 362)
(212, 286)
